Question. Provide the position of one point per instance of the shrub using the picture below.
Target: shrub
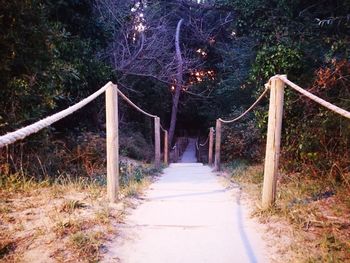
(242, 140)
(135, 146)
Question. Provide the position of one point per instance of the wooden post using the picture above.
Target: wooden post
(112, 141)
(217, 145)
(273, 142)
(157, 142)
(166, 151)
(211, 144)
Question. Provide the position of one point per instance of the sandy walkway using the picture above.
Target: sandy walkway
(189, 156)
(188, 216)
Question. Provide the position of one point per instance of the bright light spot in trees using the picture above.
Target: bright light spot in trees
(140, 27)
(201, 52)
(138, 18)
(202, 75)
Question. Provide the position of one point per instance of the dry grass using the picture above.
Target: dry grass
(37, 225)
(311, 219)
(63, 221)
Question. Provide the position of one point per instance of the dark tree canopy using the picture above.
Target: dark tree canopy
(54, 53)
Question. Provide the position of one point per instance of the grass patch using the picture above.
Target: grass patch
(65, 218)
(316, 208)
(104, 215)
(69, 206)
(87, 245)
(66, 227)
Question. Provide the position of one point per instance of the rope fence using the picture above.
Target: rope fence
(210, 140)
(248, 110)
(198, 146)
(134, 105)
(161, 127)
(206, 141)
(311, 96)
(22, 133)
(276, 86)
(112, 127)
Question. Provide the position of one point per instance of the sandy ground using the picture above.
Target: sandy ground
(188, 215)
(189, 156)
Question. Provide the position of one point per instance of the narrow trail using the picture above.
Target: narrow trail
(189, 156)
(188, 215)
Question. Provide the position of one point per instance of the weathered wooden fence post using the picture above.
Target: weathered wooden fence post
(157, 142)
(166, 151)
(211, 144)
(112, 141)
(217, 166)
(273, 142)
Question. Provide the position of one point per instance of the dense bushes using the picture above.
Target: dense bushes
(135, 146)
(242, 141)
(44, 66)
(316, 138)
(310, 43)
(50, 59)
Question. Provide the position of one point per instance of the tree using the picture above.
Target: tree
(178, 83)
(146, 43)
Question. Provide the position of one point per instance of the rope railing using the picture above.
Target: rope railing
(276, 86)
(112, 126)
(20, 134)
(218, 128)
(24, 132)
(161, 127)
(135, 106)
(201, 144)
(313, 97)
(249, 109)
(206, 141)
(157, 128)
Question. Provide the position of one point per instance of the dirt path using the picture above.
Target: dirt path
(188, 216)
(189, 156)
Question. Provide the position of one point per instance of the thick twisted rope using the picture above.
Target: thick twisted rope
(311, 96)
(37, 126)
(249, 109)
(134, 105)
(203, 144)
(161, 127)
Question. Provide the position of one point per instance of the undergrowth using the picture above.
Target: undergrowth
(318, 209)
(68, 211)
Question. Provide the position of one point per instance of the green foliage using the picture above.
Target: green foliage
(44, 66)
(135, 146)
(309, 42)
(50, 54)
(242, 140)
(271, 60)
(131, 173)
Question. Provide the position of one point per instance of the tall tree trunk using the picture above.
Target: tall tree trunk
(178, 85)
